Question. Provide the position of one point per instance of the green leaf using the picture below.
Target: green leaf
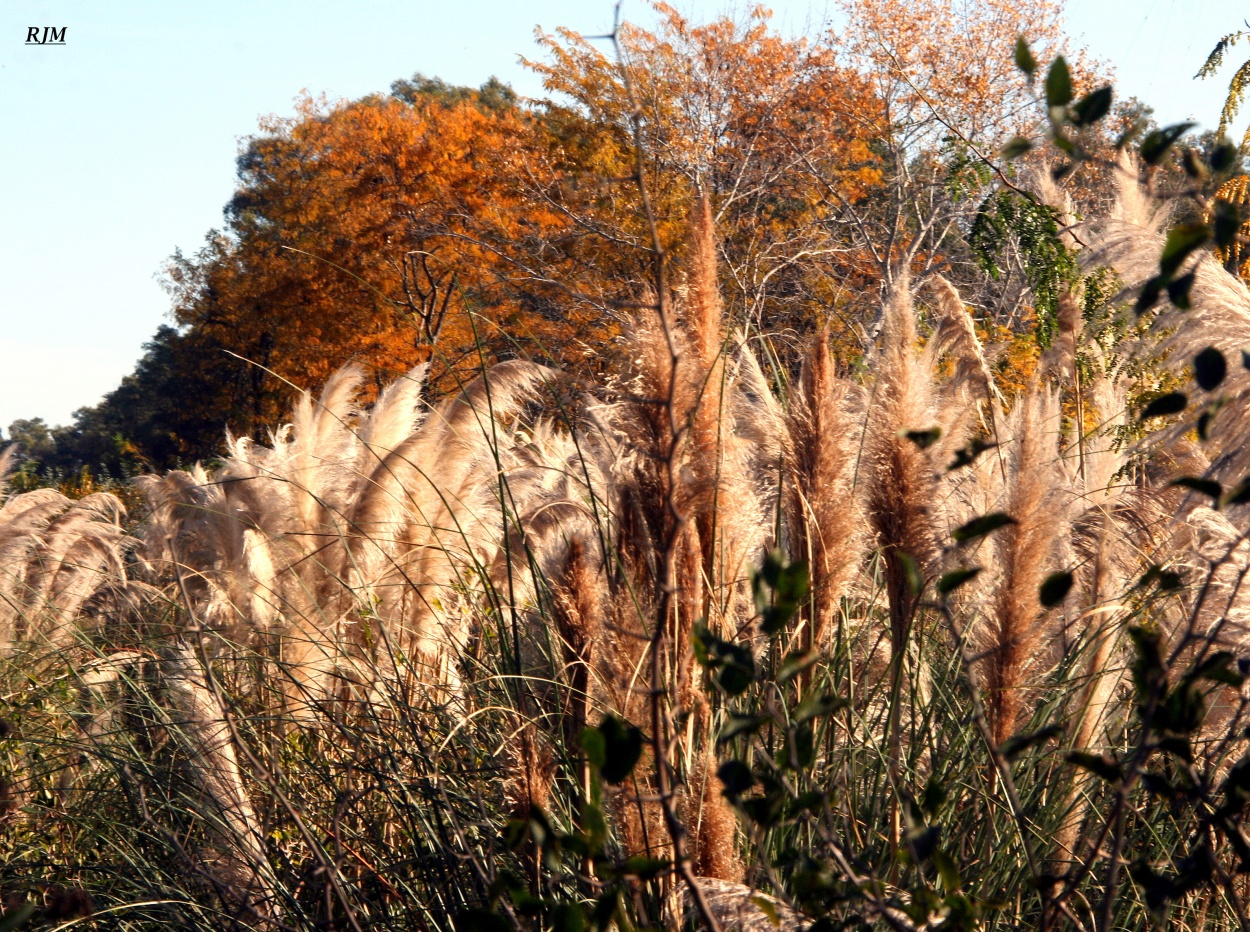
(1101, 765)
(595, 826)
(811, 801)
(1149, 675)
(1237, 786)
(1223, 156)
(1218, 669)
(1055, 589)
(934, 796)
(788, 583)
(979, 527)
(1214, 408)
(1202, 486)
(1059, 84)
(792, 585)
(921, 842)
(795, 663)
(1178, 291)
(923, 438)
(1016, 147)
(644, 867)
(621, 748)
(956, 578)
(1016, 745)
(736, 676)
(573, 844)
(480, 920)
(1133, 130)
(1024, 58)
(1156, 145)
(606, 907)
(769, 909)
(1150, 292)
(770, 570)
(948, 871)
(774, 617)
(1225, 224)
(1167, 580)
(966, 456)
(732, 664)
(1182, 240)
(700, 644)
(804, 746)
(1238, 494)
(766, 810)
(1194, 168)
(736, 725)
(737, 672)
(1171, 403)
(1210, 367)
(1181, 712)
(1063, 144)
(1178, 747)
(1204, 424)
(911, 570)
(568, 917)
(17, 916)
(736, 777)
(595, 746)
(815, 705)
(1092, 107)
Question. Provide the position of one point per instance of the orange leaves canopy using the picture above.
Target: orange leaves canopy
(445, 223)
(360, 230)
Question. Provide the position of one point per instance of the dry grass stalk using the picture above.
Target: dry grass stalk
(1059, 361)
(55, 555)
(1017, 638)
(737, 906)
(373, 543)
(530, 771)
(822, 510)
(1130, 241)
(898, 472)
(348, 522)
(197, 722)
(955, 337)
(714, 826)
(1093, 703)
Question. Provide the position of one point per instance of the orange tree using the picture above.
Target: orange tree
(444, 222)
(368, 230)
(441, 222)
(759, 123)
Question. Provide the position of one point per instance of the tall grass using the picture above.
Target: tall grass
(890, 649)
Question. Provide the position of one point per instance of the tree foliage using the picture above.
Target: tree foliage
(463, 226)
(1237, 84)
(365, 230)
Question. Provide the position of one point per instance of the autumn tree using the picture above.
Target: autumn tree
(370, 230)
(758, 123)
(463, 225)
(451, 223)
(952, 97)
(831, 161)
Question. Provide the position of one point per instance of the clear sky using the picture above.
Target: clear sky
(118, 147)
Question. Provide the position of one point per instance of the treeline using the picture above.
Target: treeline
(464, 226)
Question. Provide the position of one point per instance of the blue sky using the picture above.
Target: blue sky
(119, 146)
